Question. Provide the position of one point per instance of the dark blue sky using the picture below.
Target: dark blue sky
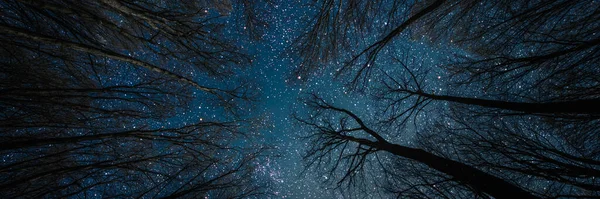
(400, 86)
(280, 92)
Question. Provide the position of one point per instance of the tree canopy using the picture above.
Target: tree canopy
(518, 103)
(404, 99)
(88, 90)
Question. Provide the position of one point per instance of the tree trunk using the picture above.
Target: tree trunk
(470, 176)
(587, 106)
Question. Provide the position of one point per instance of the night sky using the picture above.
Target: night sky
(272, 69)
(281, 93)
(283, 85)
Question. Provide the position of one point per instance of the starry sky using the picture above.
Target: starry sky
(282, 89)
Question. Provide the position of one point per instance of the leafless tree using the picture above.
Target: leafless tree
(545, 44)
(550, 147)
(191, 161)
(519, 105)
(341, 140)
(88, 90)
(540, 44)
(547, 148)
(141, 34)
(339, 30)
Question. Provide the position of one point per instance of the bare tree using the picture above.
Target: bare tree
(192, 161)
(341, 132)
(559, 162)
(342, 26)
(550, 148)
(520, 103)
(88, 90)
(543, 44)
(130, 33)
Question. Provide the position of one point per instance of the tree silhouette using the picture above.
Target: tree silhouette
(351, 132)
(342, 25)
(552, 143)
(506, 40)
(543, 44)
(89, 91)
(192, 161)
(519, 104)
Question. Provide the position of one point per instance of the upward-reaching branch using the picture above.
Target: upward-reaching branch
(319, 102)
(373, 50)
(463, 173)
(100, 52)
